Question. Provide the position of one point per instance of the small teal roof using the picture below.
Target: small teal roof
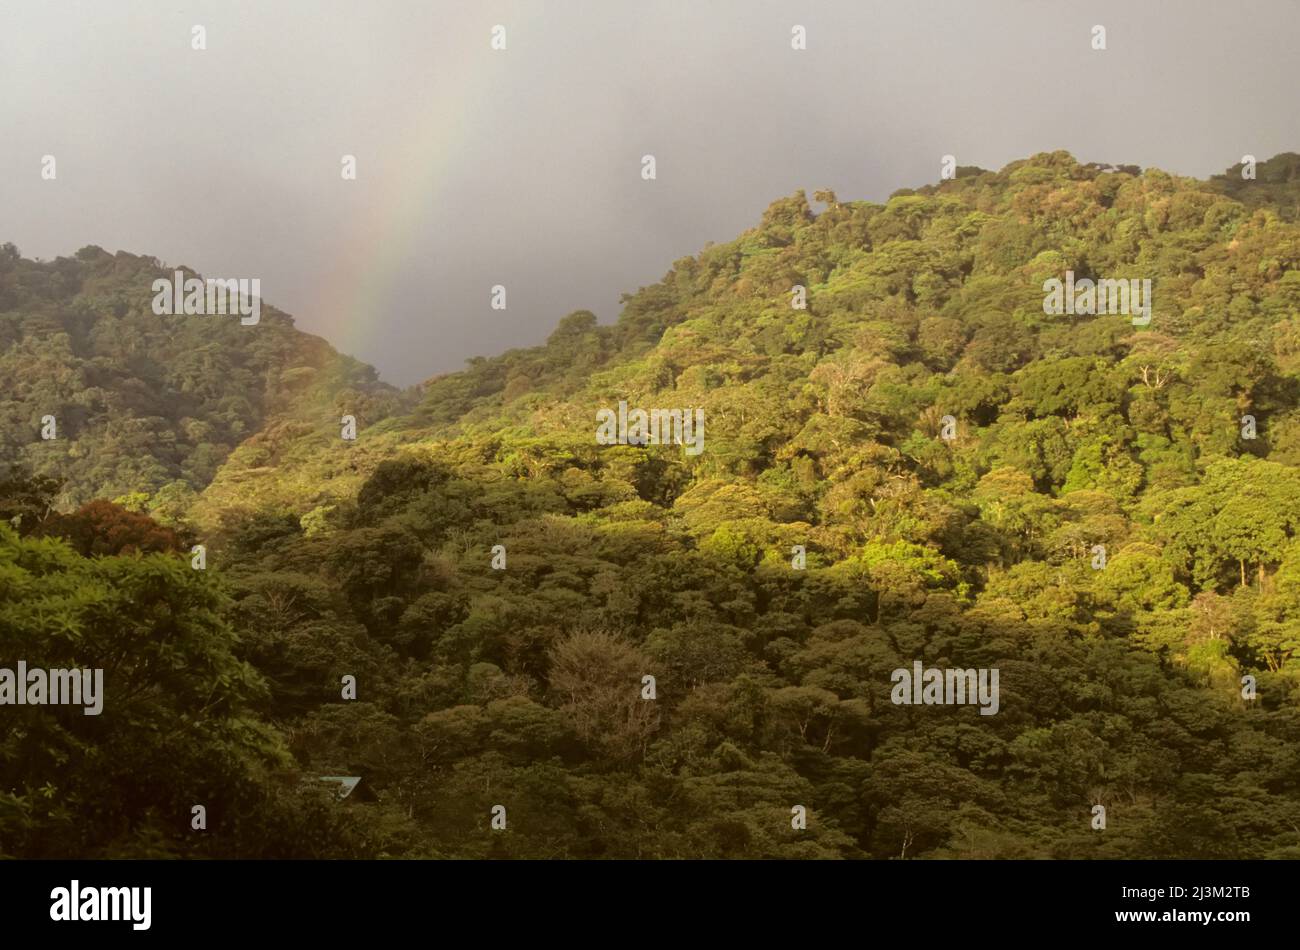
(347, 783)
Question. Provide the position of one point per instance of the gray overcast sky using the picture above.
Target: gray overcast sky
(522, 167)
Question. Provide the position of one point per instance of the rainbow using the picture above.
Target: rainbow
(356, 289)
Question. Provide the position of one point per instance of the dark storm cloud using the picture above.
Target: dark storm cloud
(522, 168)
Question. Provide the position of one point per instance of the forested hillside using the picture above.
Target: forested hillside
(950, 457)
(145, 403)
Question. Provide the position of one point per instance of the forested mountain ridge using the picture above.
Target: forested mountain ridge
(1276, 185)
(500, 584)
(146, 404)
(966, 258)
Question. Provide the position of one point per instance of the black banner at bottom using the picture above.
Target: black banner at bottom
(1219, 900)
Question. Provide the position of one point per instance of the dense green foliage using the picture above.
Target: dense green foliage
(177, 728)
(144, 403)
(1120, 686)
(1276, 185)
